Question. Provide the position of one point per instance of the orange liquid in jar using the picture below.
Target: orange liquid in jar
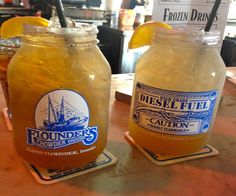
(4, 61)
(170, 69)
(60, 118)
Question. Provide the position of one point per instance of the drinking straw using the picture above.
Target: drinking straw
(212, 15)
(60, 13)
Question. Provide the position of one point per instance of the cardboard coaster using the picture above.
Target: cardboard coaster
(49, 176)
(160, 160)
(7, 119)
(231, 75)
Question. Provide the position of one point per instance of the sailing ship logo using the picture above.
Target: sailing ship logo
(61, 119)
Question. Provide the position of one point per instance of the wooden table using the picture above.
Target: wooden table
(134, 174)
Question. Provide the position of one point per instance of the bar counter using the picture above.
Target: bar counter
(134, 174)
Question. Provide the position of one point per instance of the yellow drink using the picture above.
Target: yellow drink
(8, 48)
(177, 88)
(4, 61)
(59, 87)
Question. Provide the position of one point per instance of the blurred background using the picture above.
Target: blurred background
(116, 21)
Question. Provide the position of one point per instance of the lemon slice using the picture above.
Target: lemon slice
(143, 34)
(14, 26)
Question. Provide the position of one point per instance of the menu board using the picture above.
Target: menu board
(190, 12)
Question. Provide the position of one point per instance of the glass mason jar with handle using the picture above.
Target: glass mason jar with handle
(59, 85)
(177, 88)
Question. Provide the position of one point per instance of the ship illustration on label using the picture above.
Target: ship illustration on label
(61, 119)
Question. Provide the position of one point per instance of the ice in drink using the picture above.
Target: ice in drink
(177, 88)
(60, 102)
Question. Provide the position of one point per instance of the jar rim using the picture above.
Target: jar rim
(9, 46)
(80, 30)
(82, 34)
(190, 35)
(11, 42)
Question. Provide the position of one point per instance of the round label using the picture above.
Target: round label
(61, 119)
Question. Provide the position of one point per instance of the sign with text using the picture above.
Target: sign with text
(190, 12)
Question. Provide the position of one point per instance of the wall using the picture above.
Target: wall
(230, 29)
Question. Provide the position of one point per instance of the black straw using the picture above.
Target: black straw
(212, 15)
(60, 13)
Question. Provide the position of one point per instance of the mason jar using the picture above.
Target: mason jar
(59, 84)
(177, 88)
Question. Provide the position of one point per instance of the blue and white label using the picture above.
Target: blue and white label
(61, 119)
(172, 112)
